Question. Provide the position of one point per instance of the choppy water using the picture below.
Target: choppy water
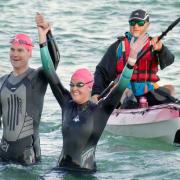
(84, 30)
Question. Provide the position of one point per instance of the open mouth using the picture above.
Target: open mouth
(15, 60)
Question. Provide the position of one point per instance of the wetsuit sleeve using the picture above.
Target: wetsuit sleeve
(106, 70)
(54, 53)
(165, 57)
(53, 49)
(59, 91)
(109, 103)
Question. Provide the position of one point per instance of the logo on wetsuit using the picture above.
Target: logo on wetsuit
(15, 107)
(87, 157)
(76, 119)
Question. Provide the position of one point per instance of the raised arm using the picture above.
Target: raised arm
(105, 71)
(109, 103)
(53, 49)
(59, 91)
(51, 43)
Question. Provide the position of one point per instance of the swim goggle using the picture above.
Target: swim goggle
(79, 84)
(20, 41)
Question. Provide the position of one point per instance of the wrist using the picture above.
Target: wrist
(129, 66)
(42, 39)
(42, 36)
(131, 61)
(161, 49)
(41, 45)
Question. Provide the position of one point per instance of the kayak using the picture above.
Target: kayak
(159, 121)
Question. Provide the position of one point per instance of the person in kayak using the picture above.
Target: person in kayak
(21, 102)
(82, 120)
(144, 78)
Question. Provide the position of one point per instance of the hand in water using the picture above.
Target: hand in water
(136, 47)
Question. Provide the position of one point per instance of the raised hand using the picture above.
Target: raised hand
(136, 47)
(43, 27)
(40, 21)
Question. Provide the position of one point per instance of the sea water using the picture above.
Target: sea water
(83, 31)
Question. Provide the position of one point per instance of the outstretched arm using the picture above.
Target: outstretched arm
(116, 93)
(51, 43)
(109, 103)
(53, 49)
(59, 91)
(105, 71)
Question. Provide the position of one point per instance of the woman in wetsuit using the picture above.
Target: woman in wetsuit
(83, 121)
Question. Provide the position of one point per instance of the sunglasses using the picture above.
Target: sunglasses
(138, 22)
(79, 84)
(20, 41)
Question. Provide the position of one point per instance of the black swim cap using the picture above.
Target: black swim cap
(139, 14)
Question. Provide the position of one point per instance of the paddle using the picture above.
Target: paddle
(170, 27)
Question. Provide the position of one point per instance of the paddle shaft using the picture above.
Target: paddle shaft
(170, 27)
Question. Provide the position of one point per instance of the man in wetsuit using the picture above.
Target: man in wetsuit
(82, 120)
(144, 78)
(21, 102)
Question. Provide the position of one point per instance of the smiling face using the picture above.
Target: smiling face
(80, 92)
(19, 57)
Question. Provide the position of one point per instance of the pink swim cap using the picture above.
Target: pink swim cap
(83, 75)
(23, 40)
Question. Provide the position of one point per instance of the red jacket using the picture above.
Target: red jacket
(145, 70)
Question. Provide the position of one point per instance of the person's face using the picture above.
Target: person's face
(80, 92)
(138, 27)
(19, 56)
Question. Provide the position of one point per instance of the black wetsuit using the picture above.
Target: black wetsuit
(21, 103)
(82, 125)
